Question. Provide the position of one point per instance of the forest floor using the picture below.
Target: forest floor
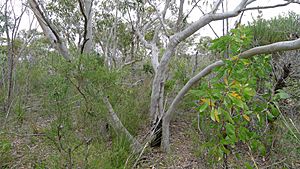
(30, 146)
(185, 150)
(182, 148)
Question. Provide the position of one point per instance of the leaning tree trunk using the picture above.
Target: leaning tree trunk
(118, 126)
(175, 39)
(275, 47)
(50, 30)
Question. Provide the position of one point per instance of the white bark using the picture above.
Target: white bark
(50, 30)
(204, 20)
(87, 12)
(115, 39)
(154, 57)
(275, 47)
(157, 95)
(89, 36)
(10, 60)
(118, 126)
(180, 16)
(151, 46)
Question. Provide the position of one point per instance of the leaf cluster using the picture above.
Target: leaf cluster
(229, 99)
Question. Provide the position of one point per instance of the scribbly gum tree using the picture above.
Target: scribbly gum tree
(160, 26)
(173, 35)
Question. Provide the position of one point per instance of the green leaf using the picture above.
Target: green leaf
(248, 166)
(203, 107)
(230, 130)
(243, 134)
(270, 116)
(262, 149)
(249, 92)
(248, 112)
(236, 101)
(230, 140)
(225, 150)
(245, 61)
(227, 117)
(5, 146)
(198, 93)
(225, 141)
(275, 112)
(220, 44)
(282, 95)
(212, 115)
(254, 145)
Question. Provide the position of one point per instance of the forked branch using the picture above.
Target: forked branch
(50, 30)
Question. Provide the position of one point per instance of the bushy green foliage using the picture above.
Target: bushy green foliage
(238, 40)
(62, 101)
(179, 74)
(5, 152)
(232, 100)
(76, 91)
(277, 29)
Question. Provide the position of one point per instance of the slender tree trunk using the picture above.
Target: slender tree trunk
(195, 64)
(157, 95)
(10, 61)
(156, 109)
(87, 12)
(10, 68)
(88, 46)
(116, 123)
(2, 80)
(50, 30)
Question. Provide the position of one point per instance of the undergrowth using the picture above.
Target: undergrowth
(61, 120)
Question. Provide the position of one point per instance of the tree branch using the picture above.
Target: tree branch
(216, 6)
(81, 7)
(116, 123)
(275, 47)
(142, 39)
(209, 23)
(196, 4)
(279, 46)
(86, 12)
(49, 30)
(266, 7)
(204, 20)
(180, 16)
(161, 19)
(34, 5)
